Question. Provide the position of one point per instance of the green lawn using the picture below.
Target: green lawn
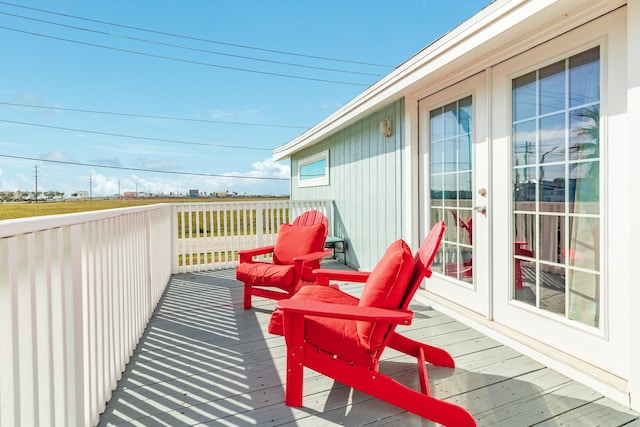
(23, 210)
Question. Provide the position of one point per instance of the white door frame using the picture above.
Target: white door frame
(474, 296)
(607, 346)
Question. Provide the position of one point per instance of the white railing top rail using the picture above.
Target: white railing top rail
(14, 227)
(77, 290)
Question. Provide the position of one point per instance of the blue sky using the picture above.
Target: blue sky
(188, 94)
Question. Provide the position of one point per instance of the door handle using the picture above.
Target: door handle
(481, 209)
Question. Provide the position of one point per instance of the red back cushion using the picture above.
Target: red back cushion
(296, 240)
(385, 288)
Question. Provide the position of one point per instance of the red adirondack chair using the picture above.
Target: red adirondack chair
(343, 337)
(296, 253)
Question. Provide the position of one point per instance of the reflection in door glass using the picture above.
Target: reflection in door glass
(451, 186)
(556, 182)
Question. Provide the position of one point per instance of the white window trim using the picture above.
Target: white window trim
(314, 182)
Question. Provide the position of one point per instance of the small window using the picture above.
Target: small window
(314, 171)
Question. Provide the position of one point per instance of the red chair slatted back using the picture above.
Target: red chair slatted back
(423, 259)
(421, 269)
(312, 217)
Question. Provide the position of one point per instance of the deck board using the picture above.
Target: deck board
(204, 360)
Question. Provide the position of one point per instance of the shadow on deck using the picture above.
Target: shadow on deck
(204, 360)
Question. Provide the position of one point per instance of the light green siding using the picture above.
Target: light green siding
(365, 182)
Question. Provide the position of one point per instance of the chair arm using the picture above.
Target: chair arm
(312, 256)
(247, 254)
(326, 275)
(345, 311)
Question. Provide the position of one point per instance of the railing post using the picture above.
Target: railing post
(260, 214)
(174, 240)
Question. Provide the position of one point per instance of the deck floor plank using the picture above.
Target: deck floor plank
(204, 360)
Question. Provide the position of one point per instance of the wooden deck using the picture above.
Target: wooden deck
(204, 360)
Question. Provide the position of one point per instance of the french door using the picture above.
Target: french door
(547, 271)
(454, 183)
(514, 160)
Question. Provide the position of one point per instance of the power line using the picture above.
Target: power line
(196, 38)
(95, 165)
(192, 48)
(186, 61)
(118, 135)
(146, 116)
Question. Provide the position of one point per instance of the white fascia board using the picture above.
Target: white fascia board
(475, 44)
(392, 87)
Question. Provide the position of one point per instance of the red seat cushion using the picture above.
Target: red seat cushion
(310, 293)
(357, 341)
(296, 240)
(265, 273)
(337, 336)
(385, 288)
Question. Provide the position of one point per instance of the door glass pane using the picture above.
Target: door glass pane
(452, 186)
(524, 143)
(437, 156)
(464, 186)
(524, 97)
(552, 88)
(556, 188)
(584, 78)
(584, 296)
(464, 153)
(524, 265)
(552, 288)
(450, 155)
(524, 188)
(552, 138)
(551, 189)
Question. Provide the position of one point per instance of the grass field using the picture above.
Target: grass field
(23, 210)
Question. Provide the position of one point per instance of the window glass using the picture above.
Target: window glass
(524, 97)
(314, 170)
(552, 88)
(556, 188)
(451, 152)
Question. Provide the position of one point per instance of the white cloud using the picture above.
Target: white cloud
(271, 169)
(58, 156)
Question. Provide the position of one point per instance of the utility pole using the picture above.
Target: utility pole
(36, 175)
(90, 188)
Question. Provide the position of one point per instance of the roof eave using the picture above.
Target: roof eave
(469, 43)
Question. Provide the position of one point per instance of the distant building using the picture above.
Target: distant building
(194, 193)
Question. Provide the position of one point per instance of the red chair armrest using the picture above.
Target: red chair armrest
(326, 275)
(247, 254)
(299, 261)
(345, 311)
(312, 256)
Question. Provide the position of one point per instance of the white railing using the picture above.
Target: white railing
(210, 234)
(77, 292)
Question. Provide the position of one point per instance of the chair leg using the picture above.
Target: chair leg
(294, 330)
(247, 296)
(386, 388)
(434, 355)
